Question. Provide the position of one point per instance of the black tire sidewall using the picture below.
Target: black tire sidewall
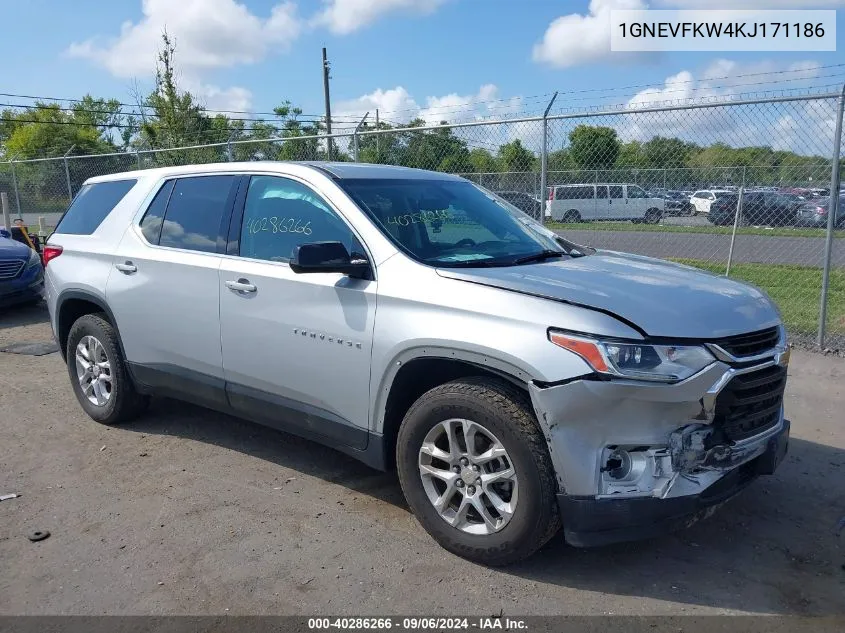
(91, 325)
(522, 530)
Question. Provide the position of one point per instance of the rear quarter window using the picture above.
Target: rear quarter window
(92, 205)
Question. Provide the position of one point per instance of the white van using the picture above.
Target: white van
(575, 203)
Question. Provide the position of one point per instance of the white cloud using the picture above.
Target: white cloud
(576, 39)
(209, 34)
(802, 126)
(394, 103)
(345, 16)
(397, 105)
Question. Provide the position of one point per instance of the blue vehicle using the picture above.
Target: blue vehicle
(21, 273)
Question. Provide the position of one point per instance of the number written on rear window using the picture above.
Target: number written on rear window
(92, 205)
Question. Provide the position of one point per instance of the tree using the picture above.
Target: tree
(514, 156)
(482, 161)
(594, 147)
(560, 160)
(664, 153)
(437, 149)
(47, 129)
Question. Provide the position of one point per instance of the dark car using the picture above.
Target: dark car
(21, 273)
(815, 213)
(678, 203)
(758, 208)
(522, 201)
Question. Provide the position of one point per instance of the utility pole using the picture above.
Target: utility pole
(328, 105)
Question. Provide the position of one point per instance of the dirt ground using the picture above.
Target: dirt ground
(190, 511)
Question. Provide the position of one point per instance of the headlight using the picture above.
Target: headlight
(639, 361)
(34, 259)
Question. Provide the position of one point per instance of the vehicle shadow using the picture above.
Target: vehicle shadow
(180, 419)
(20, 315)
(773, 549)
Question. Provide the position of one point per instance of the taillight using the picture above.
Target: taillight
(50, 252)
(821, 211)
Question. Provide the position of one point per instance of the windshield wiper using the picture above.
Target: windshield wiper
(539, 257)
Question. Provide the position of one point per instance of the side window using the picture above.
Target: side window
(616, 192)
(601, 192)
(195, 211)
(280, 214)
(92, 205)
(152, 220)
(636, 192)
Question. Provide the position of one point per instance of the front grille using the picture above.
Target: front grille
(11, 268)
(744, 345)
(750, 403)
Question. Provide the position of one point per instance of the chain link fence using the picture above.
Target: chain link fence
(747, 188)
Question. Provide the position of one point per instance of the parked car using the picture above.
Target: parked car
(517, 381)
(21, 273)
(576, 203)
(758, 208)
(703, 198)
(678, 204)
(815, 213)
(522, 201)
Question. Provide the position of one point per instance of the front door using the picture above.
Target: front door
(296, 347)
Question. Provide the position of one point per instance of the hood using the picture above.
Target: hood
(661, 298)
(11, 248)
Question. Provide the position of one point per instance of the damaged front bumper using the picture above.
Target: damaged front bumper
(635, 459)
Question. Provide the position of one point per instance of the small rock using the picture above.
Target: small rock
(143, 454)
(102, 448)
(160, 582)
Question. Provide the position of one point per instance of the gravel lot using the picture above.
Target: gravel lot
(190, 511)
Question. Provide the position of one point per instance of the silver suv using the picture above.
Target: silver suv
(411, 319)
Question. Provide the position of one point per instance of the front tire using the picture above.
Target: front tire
(475, 470)
(98, 372)
(571, 217)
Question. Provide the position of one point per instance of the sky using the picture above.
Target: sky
(438, 59)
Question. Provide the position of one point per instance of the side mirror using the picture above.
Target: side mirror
(328, 257)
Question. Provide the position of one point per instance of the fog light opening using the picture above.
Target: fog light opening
(618, 465)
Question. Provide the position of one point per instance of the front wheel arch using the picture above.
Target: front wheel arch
(411, 376)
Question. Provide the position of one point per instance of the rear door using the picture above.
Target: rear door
(164, 290)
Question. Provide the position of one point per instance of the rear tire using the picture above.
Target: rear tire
(486, 408)
(653, 216)
(98, 374)
(571, 217)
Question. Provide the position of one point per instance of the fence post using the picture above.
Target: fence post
(7, 220)
(832, 212)
(67, 173)
(355, 137)
(737, 216)
(138, 158)
(15, 185)
(229, 155)
(544, 152)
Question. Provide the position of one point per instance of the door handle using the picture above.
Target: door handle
(127, 267)
(241, 285)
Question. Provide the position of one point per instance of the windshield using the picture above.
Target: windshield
(452, 223)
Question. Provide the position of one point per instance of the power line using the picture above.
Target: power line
(657, 85)
(141, 106)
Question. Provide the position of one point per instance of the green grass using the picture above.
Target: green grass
(796, 290)
(672, 228)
